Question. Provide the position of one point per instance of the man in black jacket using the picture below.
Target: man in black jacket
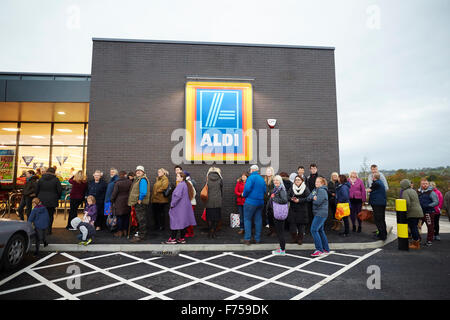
(311, 183)
(29, 192)
(49, 190)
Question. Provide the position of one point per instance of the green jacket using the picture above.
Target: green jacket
(412, 200)
(159, 187)
(134, 192)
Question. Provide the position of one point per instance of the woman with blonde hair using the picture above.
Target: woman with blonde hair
(357, 199)
(268, 216)
(160, 202)
(79, 186)
(332, 184)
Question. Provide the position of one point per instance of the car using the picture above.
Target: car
(15, 242)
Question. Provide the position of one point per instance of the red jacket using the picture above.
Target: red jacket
(238, 191)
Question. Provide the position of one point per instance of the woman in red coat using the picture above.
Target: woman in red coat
(240, 200)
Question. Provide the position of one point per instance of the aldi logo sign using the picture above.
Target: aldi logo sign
(218, 121)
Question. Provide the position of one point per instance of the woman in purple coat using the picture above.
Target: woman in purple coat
(181, 213)
(357, 198)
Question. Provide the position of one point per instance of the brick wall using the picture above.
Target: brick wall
(137, 100)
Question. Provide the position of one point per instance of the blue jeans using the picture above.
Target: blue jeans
(320, 239)
(241, 217)
(252, 213)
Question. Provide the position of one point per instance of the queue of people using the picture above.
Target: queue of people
(295, 203)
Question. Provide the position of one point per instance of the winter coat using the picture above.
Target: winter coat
(238, 190)
(49, 190)
(215, 191)
(428, 199)
(438, 208)
(159, 187)
(332, 189)
(119, 196)
(298, 212)
(269, 188)
(140, 190)
(110, 188)
(357, 190)
(280, 195)
(30, 187)
(311, 181)
(98, 190)
(382, 178)
(414, 210)
(78, 189)
(181, 213)
(39, 215)
(91, 211)
(446, 204)
(287, 183)
(343, 193)
(378, 194)
(320, 205)
(255, 190)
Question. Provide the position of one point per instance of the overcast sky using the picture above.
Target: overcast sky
(392, 57)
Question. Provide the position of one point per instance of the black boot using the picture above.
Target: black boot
(354, 228)
(359, 229)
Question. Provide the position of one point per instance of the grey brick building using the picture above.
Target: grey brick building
(137, 99)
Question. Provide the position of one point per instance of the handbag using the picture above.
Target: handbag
(168, 191)
(342, 210)
(204, 193)
(111, 222)
(365, 215)
(280, 211)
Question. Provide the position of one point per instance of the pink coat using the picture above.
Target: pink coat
(441, 200)
(357, 190)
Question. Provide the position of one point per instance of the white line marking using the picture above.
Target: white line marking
(26, 268)
(334, 275)
(52, 286)
(112, 275)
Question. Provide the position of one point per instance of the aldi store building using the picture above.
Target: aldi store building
(165, 103)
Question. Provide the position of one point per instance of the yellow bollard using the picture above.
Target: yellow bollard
(402, 224)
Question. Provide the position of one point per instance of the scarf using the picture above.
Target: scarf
(299, 190)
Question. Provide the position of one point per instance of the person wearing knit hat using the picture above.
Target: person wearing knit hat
(140, 198)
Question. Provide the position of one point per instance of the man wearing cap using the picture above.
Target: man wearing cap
(254, 191)
(140, 198)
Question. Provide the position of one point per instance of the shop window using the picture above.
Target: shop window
(35, 134)
(31, 158)
(67, 160)
(8, 133)
(68, 134)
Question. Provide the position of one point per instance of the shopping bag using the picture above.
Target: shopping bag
(134, 222)
(204, 215)
(204, 193)
(235, 220)
(280, 211)
(111, 222)
(365, 215)
(342, 210)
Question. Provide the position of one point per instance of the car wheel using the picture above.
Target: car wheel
(14, 251)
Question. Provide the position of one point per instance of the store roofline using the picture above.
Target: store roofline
(214, 43)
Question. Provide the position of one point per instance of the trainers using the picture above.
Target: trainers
(279, 252)
(171, 241)
(325, 252)
(428, 243)
(438, 238)
(316, 253)
(182, 241)
(88, 241)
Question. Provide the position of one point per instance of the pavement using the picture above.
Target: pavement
(227, 239)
